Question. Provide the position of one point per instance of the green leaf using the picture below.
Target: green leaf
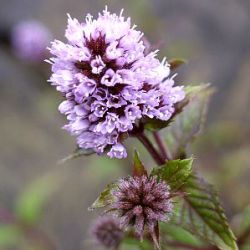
(129, 243)
(9, 235)
(105, 198)
(76, 154)
(138, 167)
(175, 172)
(188, 124)
(201, 213)
(30, 204)
(175, 63)
(179, 234)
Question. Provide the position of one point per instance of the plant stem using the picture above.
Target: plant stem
(149, 146)
(161, 145)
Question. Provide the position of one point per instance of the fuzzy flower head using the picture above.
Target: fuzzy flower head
(142, 202)
(29, 40)
(107, 231)
(109, 82)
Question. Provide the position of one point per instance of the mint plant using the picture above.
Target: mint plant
(113, 88)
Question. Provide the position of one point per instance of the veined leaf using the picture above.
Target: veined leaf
(179, 234)
(201, 213)
(187, 124)
(105, 198)
(175, 63)
(175, 172)
(77, 153)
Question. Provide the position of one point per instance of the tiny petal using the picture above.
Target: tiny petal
(66, 106)
(97, 65)
(117, 151)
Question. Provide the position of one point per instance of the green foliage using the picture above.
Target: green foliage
(105, 198)
(175, 172)
(10, 235)
(201, 213)
(76, 154)
(30, 204)
(130, 243)
(179, 234)
(189, 122)
(138, 167)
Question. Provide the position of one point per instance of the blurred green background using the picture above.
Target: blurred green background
(214, 37)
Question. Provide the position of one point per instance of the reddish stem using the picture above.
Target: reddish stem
(149, 146)
(161, 145)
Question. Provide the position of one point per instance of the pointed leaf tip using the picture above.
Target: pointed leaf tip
(138, 167)
(77, 153)
(175, 63)
(105, 198)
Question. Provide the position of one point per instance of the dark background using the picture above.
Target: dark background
(213, 35)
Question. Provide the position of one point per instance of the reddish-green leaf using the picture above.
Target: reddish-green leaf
(138, 167)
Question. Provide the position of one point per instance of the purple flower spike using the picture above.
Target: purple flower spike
(104, 69)
(30, 40)
(142, 202)
(107, 231)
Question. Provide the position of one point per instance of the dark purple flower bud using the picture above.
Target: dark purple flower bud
(107, 231)
(142, 202)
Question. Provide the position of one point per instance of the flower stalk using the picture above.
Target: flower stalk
(161, 145)
(151, 149)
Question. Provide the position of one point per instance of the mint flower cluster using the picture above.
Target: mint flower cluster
(113, 87)
(109, 82)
